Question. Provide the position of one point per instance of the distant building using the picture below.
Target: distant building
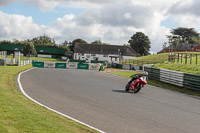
(50, 52)
(110, 53)
(182, 47)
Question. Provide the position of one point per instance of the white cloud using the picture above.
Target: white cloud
(17, 26)
(113, 21)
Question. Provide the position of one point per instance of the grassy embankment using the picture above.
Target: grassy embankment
(151, 59)
(18, 114)
(163, 63)
(182, 67)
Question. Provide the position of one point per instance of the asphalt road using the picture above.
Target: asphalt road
(99, 99)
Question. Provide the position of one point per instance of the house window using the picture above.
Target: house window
(93, 54)
(87, 56)
(105, 55)
(81, 54)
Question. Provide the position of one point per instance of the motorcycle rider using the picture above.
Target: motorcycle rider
(101, 67)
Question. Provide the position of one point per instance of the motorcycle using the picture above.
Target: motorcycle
(137, 82)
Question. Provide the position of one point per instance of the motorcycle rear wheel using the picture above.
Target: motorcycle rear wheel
(137, 88)
(127, 87)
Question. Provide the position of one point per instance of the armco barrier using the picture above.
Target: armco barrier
(154, 73)
(126, 67)
(186, 80)
(191, 81)
(120, 66)
(171, 77)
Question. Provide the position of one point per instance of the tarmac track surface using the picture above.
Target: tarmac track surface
(99, 99)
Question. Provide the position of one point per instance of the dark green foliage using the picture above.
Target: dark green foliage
(65, 46)
(43, 41)
(184, 35)
(29, 49)
(71, 46)
(140, 43)
(96, 42)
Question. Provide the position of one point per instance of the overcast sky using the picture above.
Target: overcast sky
(112, 21)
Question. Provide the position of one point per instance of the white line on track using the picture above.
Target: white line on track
(22, 90)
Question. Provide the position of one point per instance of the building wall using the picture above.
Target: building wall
(192, 50)
(100, 57)
(197, 48)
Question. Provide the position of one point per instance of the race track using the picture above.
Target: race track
(99, 99)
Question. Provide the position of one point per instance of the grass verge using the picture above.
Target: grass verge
(186, 68)
(23, 58)
(150, 59)
(126, 74)
(20, 115)
(173, 87)
(129, 74)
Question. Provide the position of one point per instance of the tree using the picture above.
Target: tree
(96, 42)
(29, 49)
(164, 45)
(140, 43)
(43, 41)
(71, 47)
(65, 46)
(184, 35)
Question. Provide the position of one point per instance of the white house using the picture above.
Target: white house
(110, 53)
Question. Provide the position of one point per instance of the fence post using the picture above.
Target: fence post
(178, 57)
(196, 59)
(181, 58)
(190, 59)
(185, 58)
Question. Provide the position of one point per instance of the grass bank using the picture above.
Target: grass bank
(20, 115)
(186, 68)
(150, 59)
(126, 74)
(161, 61)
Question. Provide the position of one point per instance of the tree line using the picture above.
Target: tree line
(182, 35)
(139, 42)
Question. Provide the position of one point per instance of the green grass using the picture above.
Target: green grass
(188, 60)
(151, 59)
(23, 58)
(193, 69)
(20, 115)
(173, 87)
(126, 74)
(48, 59)
(161, 61)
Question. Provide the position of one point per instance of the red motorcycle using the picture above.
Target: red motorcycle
(137, 82)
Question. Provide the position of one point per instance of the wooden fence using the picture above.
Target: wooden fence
(184, 58)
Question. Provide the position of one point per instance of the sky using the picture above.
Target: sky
(111, 21)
